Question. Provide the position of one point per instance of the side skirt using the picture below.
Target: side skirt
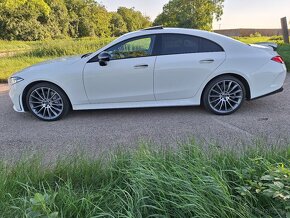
(165, 103)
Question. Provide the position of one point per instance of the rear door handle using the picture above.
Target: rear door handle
(207, 61)
(141, 66)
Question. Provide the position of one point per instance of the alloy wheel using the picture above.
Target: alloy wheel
(46, 103)
(225, 96)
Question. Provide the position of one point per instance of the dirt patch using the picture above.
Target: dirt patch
(4, 87)
(12, 53)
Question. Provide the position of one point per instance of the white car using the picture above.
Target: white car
(155, 67)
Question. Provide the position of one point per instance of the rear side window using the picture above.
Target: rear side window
(183, 44)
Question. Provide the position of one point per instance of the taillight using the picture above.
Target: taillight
(278, 59)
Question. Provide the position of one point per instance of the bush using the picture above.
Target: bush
(276, 38)
(256, 34)
(185, 183)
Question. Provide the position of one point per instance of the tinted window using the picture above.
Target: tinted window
(140, 47)
(208, 46)
(182, 44)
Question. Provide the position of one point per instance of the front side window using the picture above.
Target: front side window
(140, 47)
(183, 44)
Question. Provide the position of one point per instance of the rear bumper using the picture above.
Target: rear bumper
(267, 80)
(271, 93)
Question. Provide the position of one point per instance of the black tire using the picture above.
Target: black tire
(36, 102)
(229, 102)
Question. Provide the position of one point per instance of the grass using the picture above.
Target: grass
(43, 50)
(251, 40)
(10, 65)
(6, 46)
(149, 183)
(284, 51)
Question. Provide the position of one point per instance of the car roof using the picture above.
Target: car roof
(218, 38)
(228, 44)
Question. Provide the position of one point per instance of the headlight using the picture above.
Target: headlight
(14, 79)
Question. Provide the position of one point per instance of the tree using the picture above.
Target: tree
(50, 19)
(117, 24)
(88, 18)
(58, 19)
(197, 14)
(24, 19)
(134, 19)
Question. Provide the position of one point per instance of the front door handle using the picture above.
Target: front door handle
(207, 61)
(141, 66)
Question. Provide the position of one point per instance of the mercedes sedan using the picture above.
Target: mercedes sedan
(155, 67)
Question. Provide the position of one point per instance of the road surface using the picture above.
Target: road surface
(21, 134)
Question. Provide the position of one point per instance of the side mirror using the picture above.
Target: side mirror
(104, 57)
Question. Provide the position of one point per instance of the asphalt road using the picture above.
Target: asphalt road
(266, 119)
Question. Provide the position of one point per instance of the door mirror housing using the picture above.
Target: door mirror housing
(104, 57)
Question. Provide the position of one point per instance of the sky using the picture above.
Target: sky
(237, 13)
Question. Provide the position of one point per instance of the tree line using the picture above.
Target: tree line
(52, 19)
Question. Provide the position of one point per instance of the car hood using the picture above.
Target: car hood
(62, 60)
(55, 63)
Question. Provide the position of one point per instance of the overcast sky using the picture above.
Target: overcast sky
(237, 13)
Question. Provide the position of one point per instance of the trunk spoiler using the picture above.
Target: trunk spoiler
(272, 45)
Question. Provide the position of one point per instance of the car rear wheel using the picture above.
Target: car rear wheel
(47, 102)
(224, 95)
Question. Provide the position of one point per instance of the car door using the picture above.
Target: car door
(127, 77)
(183, 64)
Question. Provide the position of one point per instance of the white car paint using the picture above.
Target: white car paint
(180, 76)
(130, 84)
(171, 80)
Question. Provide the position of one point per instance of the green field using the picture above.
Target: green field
(28, 53)
(148, 183)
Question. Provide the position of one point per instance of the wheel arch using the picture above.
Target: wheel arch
(30, 85)
(239, 77)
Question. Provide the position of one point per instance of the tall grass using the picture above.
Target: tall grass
(10, 65)
(284, 51)
(59, 48)
(185, 183)
(8, 46)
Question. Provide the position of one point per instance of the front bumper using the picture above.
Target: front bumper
(15, 95)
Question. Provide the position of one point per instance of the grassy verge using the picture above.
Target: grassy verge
(284, 51)
(11, 65)
(184, 183)
(6, 46)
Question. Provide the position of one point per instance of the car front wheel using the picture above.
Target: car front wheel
(224, 95)
(47, 102)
